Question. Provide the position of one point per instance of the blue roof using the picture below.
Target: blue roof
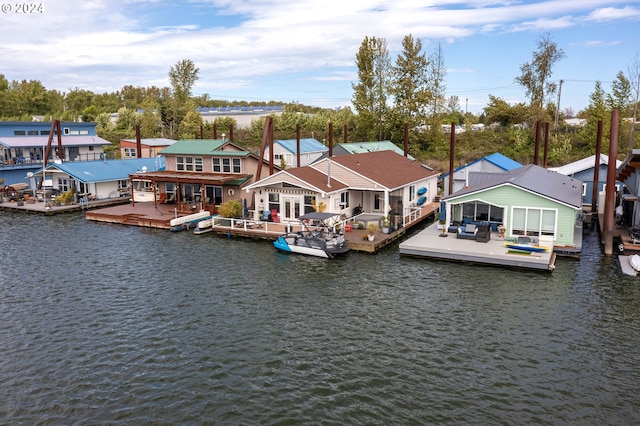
(497, 159)
(306, 145)
(109, 170)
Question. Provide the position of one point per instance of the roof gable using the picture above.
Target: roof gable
(306, 145)
(386, 168)
(110, 170)
(501, 161)
(583, 164)
(532, 178)
(193, 147)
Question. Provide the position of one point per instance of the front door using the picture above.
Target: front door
(291, 208)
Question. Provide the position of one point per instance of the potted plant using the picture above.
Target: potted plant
(386, 222)
(372, 228)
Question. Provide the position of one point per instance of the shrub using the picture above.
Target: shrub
(231, 208)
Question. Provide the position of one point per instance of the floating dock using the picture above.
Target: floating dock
(430, 244)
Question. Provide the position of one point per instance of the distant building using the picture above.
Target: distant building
(491, 163)
(286, 151)
(243, 115)
(23, 145)
(360, 147)
(149, 147)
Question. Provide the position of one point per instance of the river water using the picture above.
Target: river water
(109, 324)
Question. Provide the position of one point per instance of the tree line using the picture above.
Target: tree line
(388, 97)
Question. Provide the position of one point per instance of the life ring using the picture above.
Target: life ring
(422, 190)
(421, 200)
(231, 192)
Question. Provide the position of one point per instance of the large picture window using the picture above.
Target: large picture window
(533, 222)
(478, 211)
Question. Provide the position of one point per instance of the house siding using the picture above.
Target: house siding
(508, 196)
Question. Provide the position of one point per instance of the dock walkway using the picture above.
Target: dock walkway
(428, 243)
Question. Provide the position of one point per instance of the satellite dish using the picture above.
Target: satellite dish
(144, 169)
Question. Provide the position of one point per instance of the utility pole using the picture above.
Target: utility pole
(555, 125)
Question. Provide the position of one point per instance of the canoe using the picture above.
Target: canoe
(526, 247)
(422, 191)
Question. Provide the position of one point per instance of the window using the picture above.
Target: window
(19, 133)
(412, 192)
(274, 202)
(344, 200)
(63, 184)
(45, 132)
(122, 184)
(129, 152)
(533, 222)
(91, 147)
(32, 133)
(185, 164)
(198, 164)
(213, 193)
(309, 202)
(479, 211)
(226, 165)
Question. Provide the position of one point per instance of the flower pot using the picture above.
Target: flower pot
(385, 230)
(370, 237)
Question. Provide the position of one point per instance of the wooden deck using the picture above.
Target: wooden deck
(429, 244)
(160, 215)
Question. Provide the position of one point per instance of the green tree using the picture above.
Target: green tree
(634, 78)
(189, 127)
(619, 99)
(499, 111)
(596, 111)
(182, 76)
(77, 100)
(535, 76)
(371, 91)
(409, 87)
(437, 73)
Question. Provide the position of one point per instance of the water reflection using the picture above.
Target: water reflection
(112, 324)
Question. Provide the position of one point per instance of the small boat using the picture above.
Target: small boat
(423, 190)
(634, 261)
(526, 247)
(317, 238)
(421, 200)
(189, 221)
(204, 226)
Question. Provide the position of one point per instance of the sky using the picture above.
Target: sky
(305, 51)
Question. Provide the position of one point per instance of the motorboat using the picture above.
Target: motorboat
(320, 236)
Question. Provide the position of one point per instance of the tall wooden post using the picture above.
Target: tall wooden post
(610, 193)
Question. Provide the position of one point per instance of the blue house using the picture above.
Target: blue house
(23, 144)
(583, 170)
(98, 179)
(491, 163)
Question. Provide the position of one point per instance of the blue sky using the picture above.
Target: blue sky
(284, 50)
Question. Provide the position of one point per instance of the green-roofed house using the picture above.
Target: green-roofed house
(199, 174)
(361, 147)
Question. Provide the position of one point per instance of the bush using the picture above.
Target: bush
(230, 208)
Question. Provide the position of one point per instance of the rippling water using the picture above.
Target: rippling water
(108, 324)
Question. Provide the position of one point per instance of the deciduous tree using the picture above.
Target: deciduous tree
(535, 76)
